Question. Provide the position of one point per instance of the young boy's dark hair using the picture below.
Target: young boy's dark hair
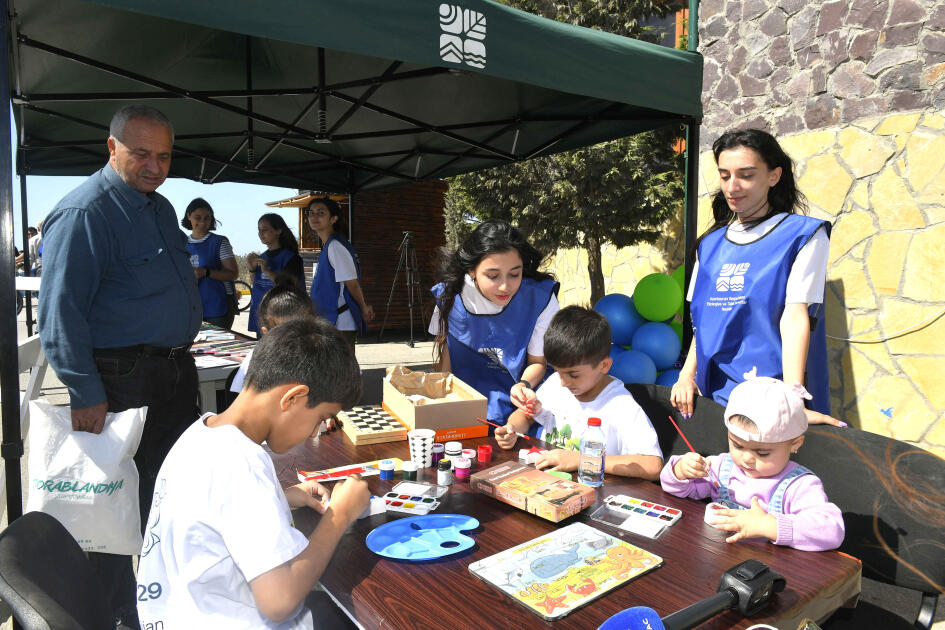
(310, 352)
(577, 336)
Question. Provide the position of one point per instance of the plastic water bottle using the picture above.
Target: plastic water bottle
(593, 452)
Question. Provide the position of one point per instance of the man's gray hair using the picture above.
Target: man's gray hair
(116, 129)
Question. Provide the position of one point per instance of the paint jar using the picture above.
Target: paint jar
(484, 454)
(470, 454)
(454, 450)
(387, 469)
(712, 532)
(444, 473)
(463, 466)
(439, 452)
(408, 471)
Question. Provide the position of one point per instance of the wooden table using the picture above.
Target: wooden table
(382, 593)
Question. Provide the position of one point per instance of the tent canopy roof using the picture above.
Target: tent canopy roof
(340, 96)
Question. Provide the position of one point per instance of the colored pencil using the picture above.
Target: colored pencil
(499, 425)
(715, 480)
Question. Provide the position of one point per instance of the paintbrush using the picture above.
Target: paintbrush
(499, 425)
(715, 480)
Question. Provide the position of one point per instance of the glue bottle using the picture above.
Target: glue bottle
(593, 451)
(444, 472)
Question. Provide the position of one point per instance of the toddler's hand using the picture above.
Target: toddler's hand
(691, 466)
(506, 437)
(350, 498)
(750, 523)
(559, 459)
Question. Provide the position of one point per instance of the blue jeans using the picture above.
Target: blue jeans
(169, 388)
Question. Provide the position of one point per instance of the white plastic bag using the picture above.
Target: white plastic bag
(88, 482)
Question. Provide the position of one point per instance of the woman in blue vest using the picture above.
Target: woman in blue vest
(281, 257)
(757, 285)
(214, 264)
(336, 289)
(492, 309)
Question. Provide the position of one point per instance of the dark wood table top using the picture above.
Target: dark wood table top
(383, 593)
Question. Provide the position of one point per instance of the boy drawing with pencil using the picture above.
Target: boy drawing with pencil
(577, 345)
(220, 550)
(771, 496)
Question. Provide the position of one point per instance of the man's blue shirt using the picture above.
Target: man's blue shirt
(116, 273)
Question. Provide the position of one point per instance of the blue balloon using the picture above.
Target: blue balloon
(668, 378)
(622, 316)
(659, 341)
(634, 367)
(616, 350)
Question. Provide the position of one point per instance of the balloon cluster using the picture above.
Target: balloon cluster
(646, 329)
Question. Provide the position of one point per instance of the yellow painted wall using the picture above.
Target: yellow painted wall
(881, 182)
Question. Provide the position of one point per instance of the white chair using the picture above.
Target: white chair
(31, 357)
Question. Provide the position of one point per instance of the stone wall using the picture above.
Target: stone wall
(855, 91)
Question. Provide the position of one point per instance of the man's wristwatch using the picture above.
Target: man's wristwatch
(525, 383)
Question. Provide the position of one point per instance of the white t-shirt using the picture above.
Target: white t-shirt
(343, 263)
(626, 427)
(805, 283)
(477, 304)
(219, 519)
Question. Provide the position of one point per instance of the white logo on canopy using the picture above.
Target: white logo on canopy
(463, 37)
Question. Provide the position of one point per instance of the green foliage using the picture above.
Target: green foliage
(618, 192)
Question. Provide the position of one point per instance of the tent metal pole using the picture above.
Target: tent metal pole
(24, 223)
(692, 185)
(12, 447)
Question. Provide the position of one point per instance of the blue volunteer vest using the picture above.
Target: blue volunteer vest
(325, 288)
(490, 351)
(775, 505)
(261, 282)
(737, 304)
(212, 292)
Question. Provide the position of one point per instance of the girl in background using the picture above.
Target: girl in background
(214, 264)
(492, 308)
(281, 256)
(336, 289)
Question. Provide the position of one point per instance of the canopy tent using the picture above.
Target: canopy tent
(341, 96)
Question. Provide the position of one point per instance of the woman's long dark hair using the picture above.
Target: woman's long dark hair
(490, 237)
(286, 237)
(782, 197)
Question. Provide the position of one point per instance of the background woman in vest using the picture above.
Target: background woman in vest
(336, 289)
(281, 257)
(757, 286)
(493, 306)
(214, 264)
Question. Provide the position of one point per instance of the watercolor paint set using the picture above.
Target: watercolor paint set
(637, 516)
(414, 497)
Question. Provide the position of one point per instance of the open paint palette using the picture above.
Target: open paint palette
(638, 516)
(422, 537)
(414, 497)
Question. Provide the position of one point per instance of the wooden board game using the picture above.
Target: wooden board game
(561, 571)
(370, 425)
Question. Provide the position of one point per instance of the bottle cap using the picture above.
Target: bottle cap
(445, 464)
(462, 462)
(593, 422)
(408, 465)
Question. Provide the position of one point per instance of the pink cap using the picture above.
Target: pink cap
(776, 408)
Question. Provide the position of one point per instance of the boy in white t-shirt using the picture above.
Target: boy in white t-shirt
(220, 550)
(577, 345)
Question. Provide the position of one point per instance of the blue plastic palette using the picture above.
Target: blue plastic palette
(422, 537)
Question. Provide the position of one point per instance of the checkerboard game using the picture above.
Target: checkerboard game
(370, 425)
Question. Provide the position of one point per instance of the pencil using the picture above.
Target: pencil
(499, 425)
(715, 480)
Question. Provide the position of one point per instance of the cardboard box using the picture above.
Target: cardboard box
(450, 419)
(533, 490)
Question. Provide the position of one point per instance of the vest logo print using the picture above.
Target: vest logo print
(495, 357)
(732, 277)
(463, 36)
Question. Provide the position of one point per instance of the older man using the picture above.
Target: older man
(119, 306)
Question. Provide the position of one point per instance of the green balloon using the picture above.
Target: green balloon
(680, 277)
(657, 297)
(677, 326)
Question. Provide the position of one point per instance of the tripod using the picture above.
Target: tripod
(408, 260)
